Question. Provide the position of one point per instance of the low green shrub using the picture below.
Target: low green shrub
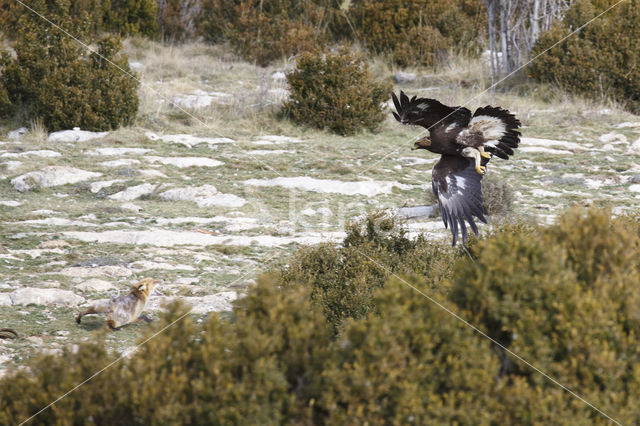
(601, 60)
(497, 195)
(53, 79)
(343, 279)
(335, 90)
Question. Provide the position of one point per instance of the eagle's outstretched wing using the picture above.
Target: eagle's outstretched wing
(457, 185)
(495, 129)
(427, 112)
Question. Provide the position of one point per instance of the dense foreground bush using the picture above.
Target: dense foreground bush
(53, 79)
(563, 297)
(601, 60)
(336, 91)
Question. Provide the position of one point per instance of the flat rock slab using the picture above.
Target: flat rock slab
(45, 296)
(118, 151)
(95, 284)
(100, 261)
(551, 142)
(204, 196)
(634, 148)
(193, 193)
(218, 302)
(182, 162)
(134, 192)
(51, 176)
(369, 188)
(543, 150)
(37, 153)
(187, 140)
(418, 212)
(123, 162)
(5, 299)
(95, 187)
(100, 271)
(222, 200)
(75, 135)
(164, 238)
(145, 265)
(275, 140)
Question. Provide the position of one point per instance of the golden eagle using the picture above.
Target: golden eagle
(466, 143)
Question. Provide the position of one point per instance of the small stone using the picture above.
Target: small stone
(634, 148)
(402, 77)
(136, 66)
(35, 340)
(278, 76)
(18, 133)
(325, 211)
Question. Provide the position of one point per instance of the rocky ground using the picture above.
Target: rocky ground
(209, 188)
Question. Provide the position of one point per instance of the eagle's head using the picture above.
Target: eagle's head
(422, 143)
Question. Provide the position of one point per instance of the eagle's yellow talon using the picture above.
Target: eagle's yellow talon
(485, 154)
(481, 169)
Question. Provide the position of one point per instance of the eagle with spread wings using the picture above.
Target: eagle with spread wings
(466, 143)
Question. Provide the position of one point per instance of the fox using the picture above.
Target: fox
(125, 309)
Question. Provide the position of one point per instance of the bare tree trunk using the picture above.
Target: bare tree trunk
(504, 37)
(535, 22)
(491, 11)
(519, 24)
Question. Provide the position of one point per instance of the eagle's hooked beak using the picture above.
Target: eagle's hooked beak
(422, 143)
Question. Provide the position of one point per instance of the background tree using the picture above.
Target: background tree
(513, 28)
